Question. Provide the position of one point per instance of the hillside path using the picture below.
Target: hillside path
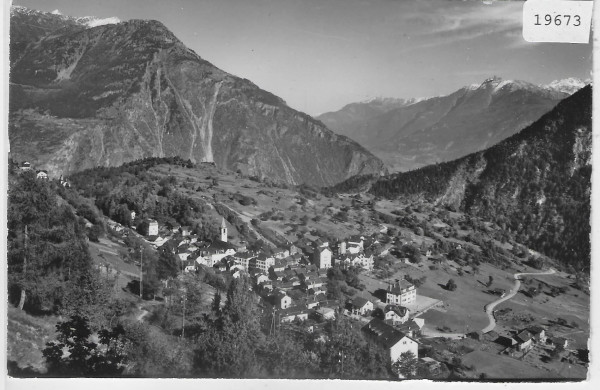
(489, 308)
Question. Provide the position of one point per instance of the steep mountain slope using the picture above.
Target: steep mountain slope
(82, 97)
(448, 127)
(535, 184)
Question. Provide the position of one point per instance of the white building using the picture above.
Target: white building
(394, 342)
(322, 257)
(223, 230)
(401, 293)
(396, 314)
(262, 262)
(360, 306)
(210, 254)
(358, 260)
(152, 227)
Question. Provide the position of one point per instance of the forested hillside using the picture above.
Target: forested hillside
(49, 266)
(535, 184)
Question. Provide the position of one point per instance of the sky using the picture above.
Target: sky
(319, 55)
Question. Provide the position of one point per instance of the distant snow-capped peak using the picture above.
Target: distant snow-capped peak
(92, 21)
(569, 85)
(392, 100)
(497, 84)
(87, 21)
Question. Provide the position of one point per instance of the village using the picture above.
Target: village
(296, 285)
(292, 283)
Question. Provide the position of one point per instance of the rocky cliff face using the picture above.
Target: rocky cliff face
(444, 128)
(82, 97)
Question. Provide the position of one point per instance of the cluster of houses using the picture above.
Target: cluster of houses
(292, 282)
(524, 340)
(224, 256)
(41, 174)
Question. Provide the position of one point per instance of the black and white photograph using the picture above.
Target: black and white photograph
(373, 190)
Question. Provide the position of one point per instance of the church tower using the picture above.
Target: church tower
(223, 230)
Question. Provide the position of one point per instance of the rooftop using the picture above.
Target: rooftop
(385, 334)
(524, 336)
(292, 310)
(397, 287)
(216, 246)
(399, 310)
(359, 301)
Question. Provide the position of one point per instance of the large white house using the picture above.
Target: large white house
(322, 257)
(360, 306)
(358, 260)
(243, 259)
(262, 262)
(152, 227)
(213, 252)
(394, 342)
(401, 293)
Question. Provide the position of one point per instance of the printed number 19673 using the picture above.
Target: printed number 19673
(557, 21)
(548, 19)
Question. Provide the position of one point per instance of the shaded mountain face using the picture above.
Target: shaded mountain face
(445, 128)
(535, 184)
(353, 118)
(82, 97)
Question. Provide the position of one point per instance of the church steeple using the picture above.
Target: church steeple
(223, 230)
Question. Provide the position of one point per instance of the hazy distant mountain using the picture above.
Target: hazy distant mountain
(535, 184)
(86, 92)
(352, 119)
(419, 133)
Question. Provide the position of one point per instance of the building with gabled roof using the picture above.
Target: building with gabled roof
(211, 252)
(325, 313)
(411, 327)
(185, 231)
(262, 262)
(360, 306)
(42, 174)
(396, 314)
(538, 333)
(393, 341)
(524, 340)
(292, 313)
(282, 300)
(401, 292)
(314, 300)
(322, 257)
(150, 227)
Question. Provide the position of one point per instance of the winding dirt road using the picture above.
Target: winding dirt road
(489, 308)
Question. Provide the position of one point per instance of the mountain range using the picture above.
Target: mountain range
(86, 92)
(535, 184)
(411, 133)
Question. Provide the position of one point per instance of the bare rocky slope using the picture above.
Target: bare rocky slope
(82, 97)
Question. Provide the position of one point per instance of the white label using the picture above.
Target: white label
(557, 21)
